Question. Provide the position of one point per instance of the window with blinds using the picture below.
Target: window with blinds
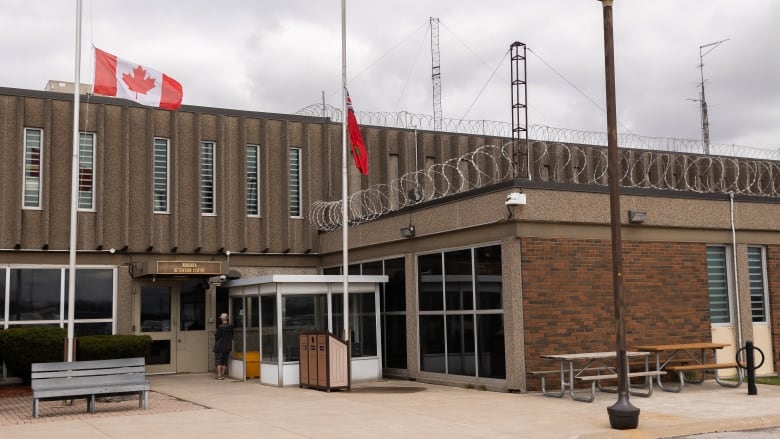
(295, 182)
(756, 276)
(33, 149)
(161, 172)
(87, 171)
(252, 180)
(718, 285)
(207, 178)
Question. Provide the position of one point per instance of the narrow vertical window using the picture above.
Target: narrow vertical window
(87, 171)
(33, 149)
(161, 166)
(295, 182)
(207, 178)
(756, 277)
(252, 180)
(718, 285)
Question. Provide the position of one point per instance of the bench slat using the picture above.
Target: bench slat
(88, 364)
(709, 366)
(89, 372)
(614, 376)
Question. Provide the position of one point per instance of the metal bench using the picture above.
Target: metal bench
(88, 379)
(704, 368)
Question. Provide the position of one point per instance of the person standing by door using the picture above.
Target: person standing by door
(223, 343)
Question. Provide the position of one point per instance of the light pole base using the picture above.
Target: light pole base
(623, 415)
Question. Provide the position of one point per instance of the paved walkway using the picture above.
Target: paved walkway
(197, 406)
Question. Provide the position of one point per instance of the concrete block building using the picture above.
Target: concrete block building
(172, 203)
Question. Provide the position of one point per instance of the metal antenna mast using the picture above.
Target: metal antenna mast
(435, 73)
(519, 112)
(705, 124)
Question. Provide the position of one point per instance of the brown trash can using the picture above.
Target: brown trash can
(324, 361)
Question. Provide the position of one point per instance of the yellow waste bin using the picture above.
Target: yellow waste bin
(252, 363)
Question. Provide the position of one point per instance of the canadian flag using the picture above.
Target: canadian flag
(125, 79)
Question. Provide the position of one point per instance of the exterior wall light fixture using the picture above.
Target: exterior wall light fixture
(407, 232)
(636, 216)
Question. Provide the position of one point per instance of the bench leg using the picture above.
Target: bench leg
(91, 404)
(35, 408)
(727, 383)
(590, 398)
(553, 394)
(143, 400)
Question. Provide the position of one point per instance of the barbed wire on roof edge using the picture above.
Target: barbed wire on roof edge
(403, 119)
(553, 162)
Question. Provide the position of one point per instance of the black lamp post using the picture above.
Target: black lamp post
(622, 415)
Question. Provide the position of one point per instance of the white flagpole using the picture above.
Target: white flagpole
(344, 190)
(74, 187)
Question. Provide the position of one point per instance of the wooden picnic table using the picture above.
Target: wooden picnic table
(689, 357)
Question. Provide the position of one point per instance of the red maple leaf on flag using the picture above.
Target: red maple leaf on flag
(138, 82)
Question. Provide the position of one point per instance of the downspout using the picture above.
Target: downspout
(736, 272)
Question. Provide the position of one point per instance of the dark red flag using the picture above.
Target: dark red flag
(356, 139)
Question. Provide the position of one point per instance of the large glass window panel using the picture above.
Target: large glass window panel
(432, 354)
(458, 280)
(395, 289)
(192, 306)
(301, 313)
(101, 328)
(362, 322)
(207, 178)
(34, 294)
(237, 319)
(86, 171)
(430, 286)
(156, 310)
(487, 266)
(268, 319)
(2, 294)
(717, 283)
(160, 176)
(252, 180)
(394, 341)
(33, 153)
(460, 344)
(94, 293)
(492, 360)
(757, 284)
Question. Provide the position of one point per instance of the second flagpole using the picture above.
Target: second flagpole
(344, 191)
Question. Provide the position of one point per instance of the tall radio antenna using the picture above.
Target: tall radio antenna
(705, 124)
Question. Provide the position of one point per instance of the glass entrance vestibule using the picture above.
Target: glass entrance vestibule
(270, 312)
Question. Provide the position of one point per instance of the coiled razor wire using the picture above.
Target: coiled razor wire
(553, 162)
(408, 120)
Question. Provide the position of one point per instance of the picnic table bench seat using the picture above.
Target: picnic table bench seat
(89, 379)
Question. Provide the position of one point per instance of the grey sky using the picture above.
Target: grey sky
(280, 56)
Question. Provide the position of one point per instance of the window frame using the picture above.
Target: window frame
(92, 173)
(167, 198)
(208, 176)
(253, 211)
(295, 186)
(764, 285)
(728, 272)
(28, 169)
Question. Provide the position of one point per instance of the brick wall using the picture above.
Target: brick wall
(568, 296)
(773, 282)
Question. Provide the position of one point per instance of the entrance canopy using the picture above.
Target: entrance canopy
(269, 313)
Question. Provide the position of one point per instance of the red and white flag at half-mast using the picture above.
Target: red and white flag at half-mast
(359, 151)
(125, 79)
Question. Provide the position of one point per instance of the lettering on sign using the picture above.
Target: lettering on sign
(189, 267)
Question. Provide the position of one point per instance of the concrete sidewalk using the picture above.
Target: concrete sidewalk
(198, 406)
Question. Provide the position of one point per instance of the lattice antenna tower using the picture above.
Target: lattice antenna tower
(436, 74)
(705, 123)
(521, 155)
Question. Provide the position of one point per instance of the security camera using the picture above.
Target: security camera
(222, 278)
(515, 199)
